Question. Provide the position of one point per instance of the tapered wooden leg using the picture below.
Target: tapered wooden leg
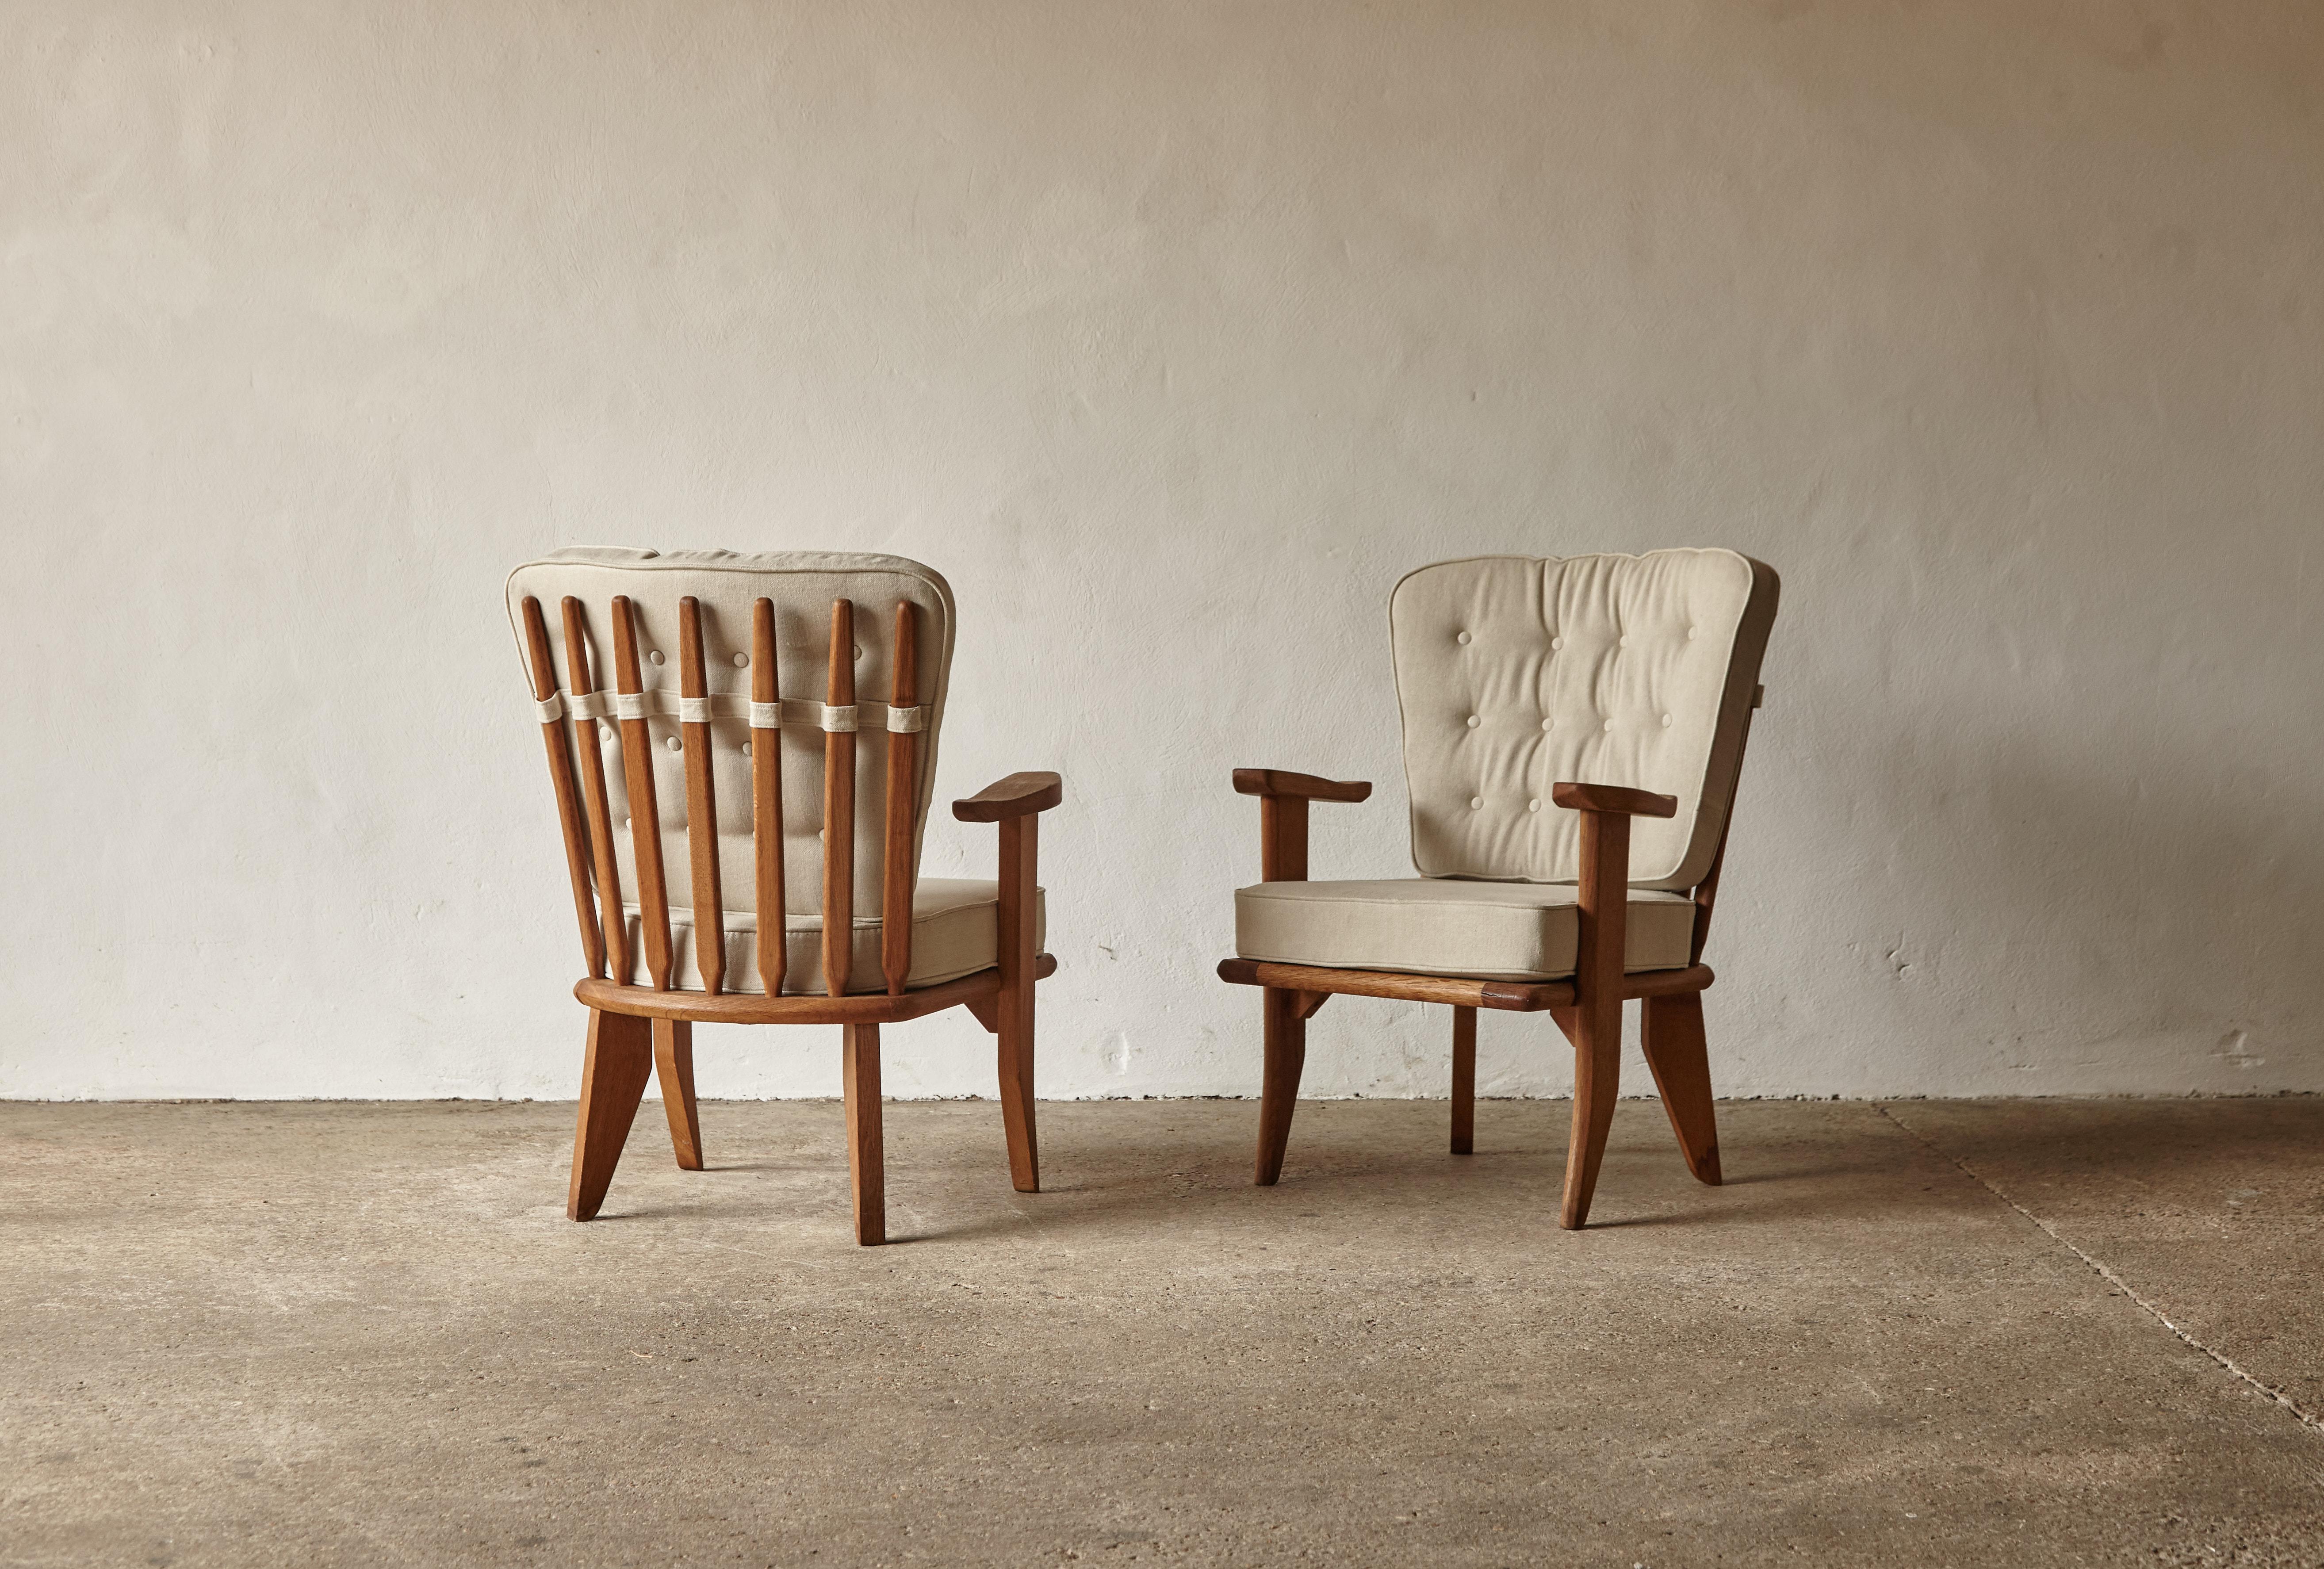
(867, 1163)
(1677, 1051)
(1597, 1082)
(1465, 1080)
(673, 1042)
(1013, 1003)
(614, 1068)
(1279, 1097)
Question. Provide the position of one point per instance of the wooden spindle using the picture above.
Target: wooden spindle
(585, 734)
(568, 796)
(767, 802)
(701, 808)
(645, 816)
(839, 808)
(903, 804)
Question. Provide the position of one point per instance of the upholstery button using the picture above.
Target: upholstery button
(1545, 723)
(1557, 643)
(1475, 802)
(675, 744)
(741, 660)
(1534, 804)
(1610, 725)
(746, 749)
(1666, 720)
(1690, 634)
(1622, 642)
(1462, 639)
(859, 651)
(1474, 722)
(653, 656)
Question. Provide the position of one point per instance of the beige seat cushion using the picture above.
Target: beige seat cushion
(1434, 926)
(954, 927)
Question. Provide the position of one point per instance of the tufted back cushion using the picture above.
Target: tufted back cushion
(1515, 673)
(802, 585)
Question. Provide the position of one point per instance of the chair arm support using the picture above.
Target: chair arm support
(1599, 798)
(1276, 782)
(1020, 795)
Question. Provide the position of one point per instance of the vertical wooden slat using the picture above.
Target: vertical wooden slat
(767, 802)
(701, 808)
(645, 816)
(592, 781)
(839, 808)
(568, 796)
(903, 804)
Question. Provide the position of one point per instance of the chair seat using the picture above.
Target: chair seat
(1438, 925)
(955, 923)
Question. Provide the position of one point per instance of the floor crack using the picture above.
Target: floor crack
(2307, 1419)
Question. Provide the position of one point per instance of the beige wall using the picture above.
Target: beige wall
(1172, 333)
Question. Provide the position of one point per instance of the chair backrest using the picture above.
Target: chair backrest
(670, 795)
(1515, 672)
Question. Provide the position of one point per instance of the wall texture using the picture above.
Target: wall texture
(1172, 334)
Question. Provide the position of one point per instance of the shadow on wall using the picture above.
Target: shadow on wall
(2145, 932)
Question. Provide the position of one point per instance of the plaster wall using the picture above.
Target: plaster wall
(1172, 334)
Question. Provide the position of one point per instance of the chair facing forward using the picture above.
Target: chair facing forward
(697, 802)
(1612, 686)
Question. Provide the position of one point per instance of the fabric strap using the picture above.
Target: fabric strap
(799, 711)
(550, 708)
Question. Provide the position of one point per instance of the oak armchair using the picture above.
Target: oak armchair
(710, 830)
(1616, 689)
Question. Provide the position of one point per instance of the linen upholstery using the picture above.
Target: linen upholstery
(1501, 931)
(955, 927)
(1514, 673)
(802, 585)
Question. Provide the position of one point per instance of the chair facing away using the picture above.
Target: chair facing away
(1607, 686)
(698, 798)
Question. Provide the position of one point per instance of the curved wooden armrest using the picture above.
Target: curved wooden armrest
(1305, 787)
(1020, 795)
(1597, 797)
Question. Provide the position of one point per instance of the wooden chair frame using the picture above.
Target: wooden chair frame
(1588, 1007)
(637, 1030)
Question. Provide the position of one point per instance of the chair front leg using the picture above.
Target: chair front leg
(1594, 1021)
(1013, 1005)
(1283, 798)
(1016, 803)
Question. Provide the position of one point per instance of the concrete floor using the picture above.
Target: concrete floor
(1917, 1334)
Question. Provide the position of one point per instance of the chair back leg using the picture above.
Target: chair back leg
(1286, 1034)
(673, 1043)
(867, 1169)
(615, 1067)
(1676, 1049)
(1465, 1080)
